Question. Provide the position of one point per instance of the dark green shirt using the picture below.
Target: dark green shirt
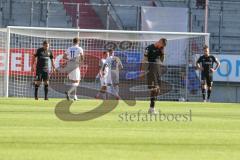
(154, 54)
(43, 57)
(207, 63)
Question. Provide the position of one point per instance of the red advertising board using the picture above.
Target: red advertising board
(20, 61)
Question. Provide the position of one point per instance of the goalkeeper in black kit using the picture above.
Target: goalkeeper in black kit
(42, 56)
(206, 65)
(153, 59)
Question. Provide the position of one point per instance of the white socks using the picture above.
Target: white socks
(73, 88)
(75, 92)
(117, 89)
(113, 90)
(104, 95)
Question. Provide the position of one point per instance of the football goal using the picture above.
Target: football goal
(178, 81)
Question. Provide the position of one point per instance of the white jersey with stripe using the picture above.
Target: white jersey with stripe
(113, 63)
(102, 62)
(74, 52)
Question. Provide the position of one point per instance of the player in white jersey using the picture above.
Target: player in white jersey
(114, 64)
(75, 55)
(102, 76)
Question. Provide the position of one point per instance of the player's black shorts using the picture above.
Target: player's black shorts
(207, 78)
(153, 80)
(42, 76)
(154, 76)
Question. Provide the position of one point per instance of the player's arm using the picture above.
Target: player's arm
(65, 56)
(100, 68)
(104, 66)
(120, 63)
(217, 64)
(162, 57)
(34, 59)
(52, 62)
(82, 57)
(198, 65)
(100, 65)
(66, 53)
(103, 69)
(144, 63)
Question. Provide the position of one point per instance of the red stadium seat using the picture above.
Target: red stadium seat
(88, 18)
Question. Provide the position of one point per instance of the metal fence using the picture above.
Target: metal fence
(223, 17)
(223, 24)
(69, 15)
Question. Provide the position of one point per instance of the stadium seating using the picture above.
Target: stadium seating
(172, 3)
(229, 26)
(124, 12)
(124, 17)
(18, 12)
(88, 18)
(57, 16)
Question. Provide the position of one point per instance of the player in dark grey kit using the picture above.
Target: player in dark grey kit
(153, 59)
(42, 57)
(206, 65)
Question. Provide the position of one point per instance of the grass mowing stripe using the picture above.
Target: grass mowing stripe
(30, 130)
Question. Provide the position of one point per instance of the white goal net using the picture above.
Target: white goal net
(179, 78)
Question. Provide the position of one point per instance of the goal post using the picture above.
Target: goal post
(179, 79)
(8, 47)
(3, 63)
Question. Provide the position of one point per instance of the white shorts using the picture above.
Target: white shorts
(103, 81)
(112, 77)
(75, 75)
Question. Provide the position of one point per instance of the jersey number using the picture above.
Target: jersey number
(72, 54)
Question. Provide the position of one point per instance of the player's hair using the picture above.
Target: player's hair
(164, 40)
(76, 40)
(105, 52)
(110, 50)
(205, 47)
(45, 42)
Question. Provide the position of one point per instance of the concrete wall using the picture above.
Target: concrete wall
(19, 13)
(229, 26)
(229, 93)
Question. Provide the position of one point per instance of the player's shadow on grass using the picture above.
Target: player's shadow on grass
(62, 111)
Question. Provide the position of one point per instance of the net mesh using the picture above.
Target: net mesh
(179, 78)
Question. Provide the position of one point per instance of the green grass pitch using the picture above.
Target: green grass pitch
(30, 130)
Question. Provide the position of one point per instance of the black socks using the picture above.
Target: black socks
(36, 91)
(204, 94)
(152, 103)
(209, 93)
(46, 91)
